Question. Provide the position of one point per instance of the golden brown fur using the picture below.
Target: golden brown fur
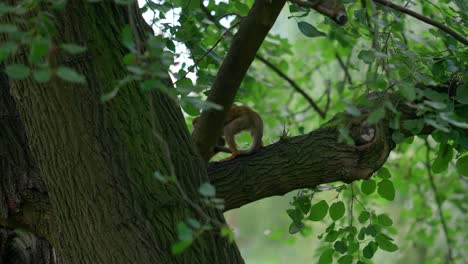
(239, 118)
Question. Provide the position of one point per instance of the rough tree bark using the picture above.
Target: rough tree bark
(97, 160)
(24, 208)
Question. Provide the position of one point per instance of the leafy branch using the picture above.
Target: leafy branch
(210, 49)
(278, 71)
(426, 19)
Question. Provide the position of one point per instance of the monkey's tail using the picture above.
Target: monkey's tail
(257, 135)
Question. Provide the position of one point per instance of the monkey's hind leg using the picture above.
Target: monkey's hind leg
(230, 131)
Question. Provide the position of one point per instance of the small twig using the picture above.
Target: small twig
(209, 50)
(270, 65)
(293, 84)
(439, 203)
(428, 20)
(345, 68)
(229, 14)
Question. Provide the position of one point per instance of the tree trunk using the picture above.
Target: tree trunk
(98, 159)
(24, 202)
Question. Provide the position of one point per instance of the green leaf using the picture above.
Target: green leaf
(371, 231)
(17, 71)
(318, 211)
(180, 246)
(385, 244)
(369, 250)
(386, 189)
(39, 48)
(295, 214)
(309, 30)
(340, 246)
(42, 75)
(194, 223)
(398, 137)
(127, 38)
(207, 189)
(353, 247)
(414, 126)
(303, 203)
(408, 91)
(462, 166)
(226, 231)
(376, 116)
(70, 75)
(337, 210)
(295, 227)
(332, 236)
(444, 156)
(384, 173)
(363, 217)
(326, 257)
(7, 48)
(73, 48)
(368, 186)
(362, 233)
(184, 232)
(384, 220)
(462, 94)
(367, 56)
(8, 28)
(346, 259)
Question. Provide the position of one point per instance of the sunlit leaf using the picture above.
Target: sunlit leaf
(337, 210)
(385, 244)
(309, 30)
(384, 220)
(326, 257)
(368, 186)
(180, 246)
(318, 211)
(363, 217)
(386, 189)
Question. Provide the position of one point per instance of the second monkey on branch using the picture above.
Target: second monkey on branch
(239, 118)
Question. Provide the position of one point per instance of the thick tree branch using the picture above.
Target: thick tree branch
(428, 20)
(300, 162)
(313, 159)
(252, 31)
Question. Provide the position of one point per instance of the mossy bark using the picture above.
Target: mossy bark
(98, 159)
(25, 211)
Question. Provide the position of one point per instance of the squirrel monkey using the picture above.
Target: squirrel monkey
(239, 118)
(333, 9)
